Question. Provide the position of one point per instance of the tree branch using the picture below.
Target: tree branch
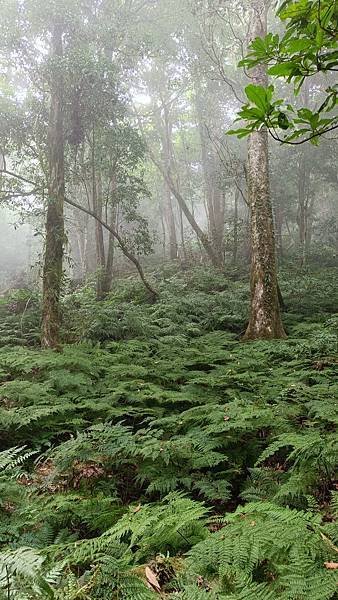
(153, 293)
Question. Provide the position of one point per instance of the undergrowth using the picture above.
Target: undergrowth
(158, 456)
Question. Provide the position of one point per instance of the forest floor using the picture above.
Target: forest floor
(159, 456)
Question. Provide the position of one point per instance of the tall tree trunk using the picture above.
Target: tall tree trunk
(90, 250)
(301, 214)
(211, 175)
(278, 221)
(202, 237)
(122, 244)
(108, 271)
(303, 188)
(167, 153)
(52, 269)
(265, 318)
(99, 239)
(180, 215)
(235, 232)
(167, 176)
(162, 220)
(170, 222)
(303, 207)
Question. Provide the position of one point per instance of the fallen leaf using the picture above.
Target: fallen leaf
(137, 509)
(152, 580)
(331, 565)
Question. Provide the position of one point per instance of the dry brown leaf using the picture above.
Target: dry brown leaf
(137, 509)
(331, 565)
(152, 579)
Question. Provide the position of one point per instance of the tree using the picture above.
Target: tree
(52, 268)
(42, 72)
(265, 319)
(69, 96)
(308, 48)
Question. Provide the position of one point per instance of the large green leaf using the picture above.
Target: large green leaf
(257, 95)
(282, 70)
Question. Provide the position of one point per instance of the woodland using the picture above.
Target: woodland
(168, 299)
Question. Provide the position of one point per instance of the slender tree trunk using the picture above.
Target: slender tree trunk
(265, 318)
(302, 209)
(184, 253)
(168, 162)
(202, 237)
(336, 223)
(99, 239)
(90, 249)
(122, 244)
(235, 233)
(167, 176)
(170, 222)
(52, 269)
(162, 220)
(278, 213)
(303, 189)
(108, 271)
(211, 174)
(305, 208)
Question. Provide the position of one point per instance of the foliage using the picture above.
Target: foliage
(145, 430)
(308, 47)
(265, 551)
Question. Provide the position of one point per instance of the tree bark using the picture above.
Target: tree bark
(52, 269)
(265, 318)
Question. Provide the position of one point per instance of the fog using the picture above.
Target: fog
(150, 91)
(168, 299)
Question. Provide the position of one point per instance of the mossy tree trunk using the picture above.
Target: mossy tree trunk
(54, 244)
(265, 318)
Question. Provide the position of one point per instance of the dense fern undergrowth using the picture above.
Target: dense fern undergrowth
(158, 456)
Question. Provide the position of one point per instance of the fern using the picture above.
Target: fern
(153, 410)
(262, 540)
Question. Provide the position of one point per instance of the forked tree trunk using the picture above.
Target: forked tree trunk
(265, 318)
(52, 269)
